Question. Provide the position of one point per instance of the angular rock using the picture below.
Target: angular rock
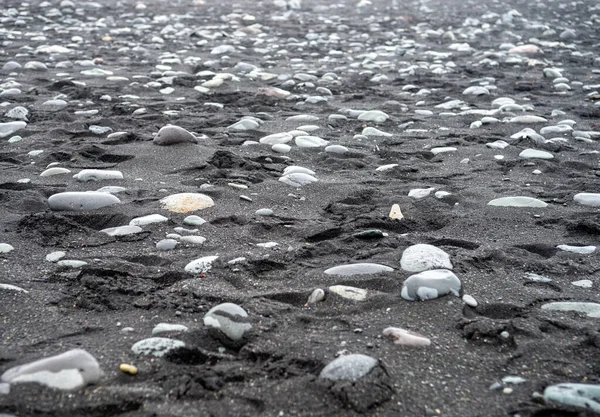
(156, 346)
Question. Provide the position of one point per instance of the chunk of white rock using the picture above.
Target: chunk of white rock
(310, 142)
(200, 265)
(406, 337)
(442, 149)
(81, 201)
(276, 138)
(429, 285)
(71, 370)
(166, 244)
(583, 283)
(194, 220)
(231, 319)
(517, 202)
(156, 346)
(376, 116)
(371, 131)
(421, 257)
(193, 240)
(55, 171)
(349, 293)
(349, 367)
(358, 269)
(527, 119)
(6, 248)
(419, 193)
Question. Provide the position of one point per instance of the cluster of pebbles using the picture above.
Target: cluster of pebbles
(372, 206)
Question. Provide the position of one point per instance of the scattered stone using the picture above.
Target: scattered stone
(98, 175)
(587, 199)
(71, 263)
(194, 220)
(419, 193)
(55, 256)
(317, 296)
(7, 129)
(583, 250)
(297, 179)
(469, 300)
(396, 213)
(584, 283)
(149, 219)
(535, 154)
(128, 369)
(122, 230)
(166, 244)
(6, 248)
(590, 309)
(577, 395)
(55, 171)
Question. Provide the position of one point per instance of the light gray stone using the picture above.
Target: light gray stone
(81, 201)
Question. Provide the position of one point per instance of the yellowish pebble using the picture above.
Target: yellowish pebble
(128, 369)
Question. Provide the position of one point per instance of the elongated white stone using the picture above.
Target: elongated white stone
(587, 199)
(297, 179)
(277, 138)
(81, 201)
(371, 131)
(310, 142)
(7, 129)
(55, 171)
(350, 293)
(98, 175)
(149, 219)
(517, 202)
(535, 154)
(171, 135)
(583, 250)
(376, 116)
(358, 269)
(578, 395)
(186, 202)
(527, 119)
(166, 328)
(294, 169)
(122, 230)
(590, 309)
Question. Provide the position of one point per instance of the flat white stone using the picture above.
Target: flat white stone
(200, 265)
(194, 220)
(349, 367)
(587, 199)
(419, 193)
(193, 240)
(578, 395)
(267, 245)
(149, 219)
(98, 175)
(337, 149)
(498, 144)
(535, 154)
(276, 138)
(297, 179)
(111, 189)
(171, 135)
(386, 167)
(376, 116)
(517, 202)
(469, 300)
(349, 293)
(584, 283)
(122, 230)
(166, 244)
(583, 250)
(310, 142)
(186, 202)
(527, 119)
(156, 346)
(7, 129)
(406, 337)
(443, 149)
(229, 318)
(421, 257)
(371, 131)
(54, 171)
(81, 201)
(166, 328)
(590, 309)
(71, 263)
(358, 269)
(281, 148)
(294, 169)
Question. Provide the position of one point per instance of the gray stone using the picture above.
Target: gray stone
(587, 199)
(358, 269)
(349, 367)
(81, 201)
(578, 395)
(421, 257)
(7, 129)
(171, 134)
(200, 265)
(166, 244)
(230, 319)
(98, 175)
(122, 230)
(517, 201)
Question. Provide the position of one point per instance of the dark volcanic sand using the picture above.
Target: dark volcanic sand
(127, 282)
